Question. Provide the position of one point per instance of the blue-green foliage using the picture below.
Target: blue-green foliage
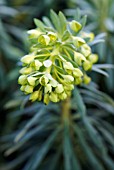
(34, 136)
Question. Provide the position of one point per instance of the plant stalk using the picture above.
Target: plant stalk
(65, 107)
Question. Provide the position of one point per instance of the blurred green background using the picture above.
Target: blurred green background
(16, 17)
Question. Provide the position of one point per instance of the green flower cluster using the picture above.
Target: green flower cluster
(59, 58)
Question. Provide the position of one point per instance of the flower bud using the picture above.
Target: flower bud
(88, 35)
(53, 97)
(75, 26)
(77, 72)
(48, 88)
(22, 80)
(77, 41)
(52, 36)
(27, 59)
(86, 79)
(37, 64)
(68, 92)
(34, 96)
(32, 80)
(46, 98)
(34, 33)
(68, 66)
(47, 63)
(86, 50)
(53, 83)
(59, 88)
(44, 39)
(79, 58)
(43, 80)
(48, 75)
(69, 87)
(63, 96)
(78, 81)
(26, 70)
(87, 65)
(28, 89)
(22, 88)
(40, 95)
(93, 58)
(91, 36)
(68, 78)
(69, 72)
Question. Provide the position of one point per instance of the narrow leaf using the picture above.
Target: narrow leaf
(44, 149)
(39, 24)
(94, 68)
(83, 20)
(89, 153)
(95, 137)
(95, 41)
(55, 20)
(63, 22)
(79, 102)
(70, 159)
(104, 66)
(47, 22)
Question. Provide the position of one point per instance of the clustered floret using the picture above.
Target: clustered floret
(56, 62)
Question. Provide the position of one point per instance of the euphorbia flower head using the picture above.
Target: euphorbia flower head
(58, 59)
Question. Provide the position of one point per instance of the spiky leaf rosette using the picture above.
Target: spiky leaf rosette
(59, 58)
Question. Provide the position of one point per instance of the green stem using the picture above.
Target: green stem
(68, 55)
(42, 55)
(65, 106)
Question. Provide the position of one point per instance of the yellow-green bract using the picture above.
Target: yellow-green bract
(58, 59)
